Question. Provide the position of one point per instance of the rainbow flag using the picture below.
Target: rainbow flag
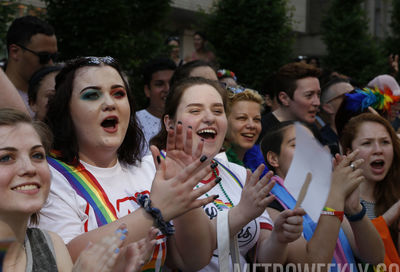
(86, 185)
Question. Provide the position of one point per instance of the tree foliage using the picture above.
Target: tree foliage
(7, 14)
(393, 40)
(128, 30)
(351, 49)
(253, 38)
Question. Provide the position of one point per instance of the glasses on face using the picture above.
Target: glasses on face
(44, 57)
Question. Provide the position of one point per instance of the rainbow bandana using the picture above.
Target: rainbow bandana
(86, 185)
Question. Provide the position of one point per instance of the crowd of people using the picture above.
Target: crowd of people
(90, 182)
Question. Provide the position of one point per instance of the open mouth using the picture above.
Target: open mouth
(207, 133)
(377, 164)
(110, 122)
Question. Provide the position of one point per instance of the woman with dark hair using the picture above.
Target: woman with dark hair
(200, 49)
(333, 238)
(199, 105)
(98, 180)
(380, 192)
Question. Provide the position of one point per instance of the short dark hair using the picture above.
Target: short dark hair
(155, 65)
(59, 117)
(174, 98)
(184, 70)
(288, 75)
(22, 29)
(272, 141)
(37, 78)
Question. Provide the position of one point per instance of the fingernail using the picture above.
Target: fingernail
(215, 164)
(218, 180)
(190, 127)
(116, 251)
(125, 231)
(171, 127)
(117, 231)
(158, 160)
(202, 139)
(216, 196)
(179, 122)
(141, 263)
(123, 237)
(203, 158)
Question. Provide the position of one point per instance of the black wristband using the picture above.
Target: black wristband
(357, 216)
(165, 227)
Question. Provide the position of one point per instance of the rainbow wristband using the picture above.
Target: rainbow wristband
(330, 211)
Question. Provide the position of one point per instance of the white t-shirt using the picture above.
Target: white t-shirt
(150, 126)
(248, 236)
(69, 215)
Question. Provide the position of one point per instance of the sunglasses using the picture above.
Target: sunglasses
(44, 57)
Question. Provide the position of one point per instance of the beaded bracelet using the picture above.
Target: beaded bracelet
(330, 211)
(165, 227)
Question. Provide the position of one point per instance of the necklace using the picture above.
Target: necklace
(218, 203)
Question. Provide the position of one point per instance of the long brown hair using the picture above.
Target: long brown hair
(387, 191)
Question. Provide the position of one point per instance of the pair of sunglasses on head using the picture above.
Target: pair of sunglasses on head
(44, 57)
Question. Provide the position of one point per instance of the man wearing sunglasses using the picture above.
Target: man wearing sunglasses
(31, 44)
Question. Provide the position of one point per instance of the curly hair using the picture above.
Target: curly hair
(246, 95)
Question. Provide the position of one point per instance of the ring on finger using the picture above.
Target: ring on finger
(352, 166)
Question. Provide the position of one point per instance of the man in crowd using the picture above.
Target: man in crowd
(31, 44)
(297, 89)
(157, 74)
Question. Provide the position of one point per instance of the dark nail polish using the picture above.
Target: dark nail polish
(179, 122)
(218, 180)
(215, 164)
(216, 196)
(203, 158)
(190, 127)
(202, 139)
(158, 160)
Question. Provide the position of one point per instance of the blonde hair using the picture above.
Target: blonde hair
(246, 95)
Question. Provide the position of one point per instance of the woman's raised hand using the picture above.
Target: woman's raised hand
(179, 150)
(176, 195)
(254, 198)
(346, 178)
